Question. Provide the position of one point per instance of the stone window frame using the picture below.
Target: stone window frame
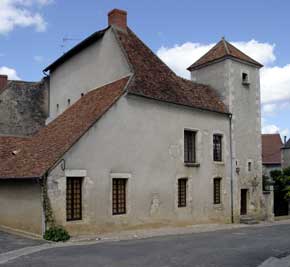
(80, 173)
(198, 146)
(128, 178)
(221, 133)
(188, 192)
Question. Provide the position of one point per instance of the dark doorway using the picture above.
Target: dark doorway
(244, 201)
(280, 204)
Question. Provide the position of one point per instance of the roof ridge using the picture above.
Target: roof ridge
(225, 45)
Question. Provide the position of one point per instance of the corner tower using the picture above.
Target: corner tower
(236, 78)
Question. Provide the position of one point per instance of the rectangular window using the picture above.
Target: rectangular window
(189, 147)
(73, 198)
(217, 190)
(182, 185)
(217, 147)
(249, 166)
(119, 196)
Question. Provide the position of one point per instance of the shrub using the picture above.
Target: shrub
(56, 234)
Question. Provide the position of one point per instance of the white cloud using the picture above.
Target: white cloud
(275, 81)
(275, 84)
(12, 74)
(21, 13)
(272, 128)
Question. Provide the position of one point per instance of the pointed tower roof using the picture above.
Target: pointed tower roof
(223, 50)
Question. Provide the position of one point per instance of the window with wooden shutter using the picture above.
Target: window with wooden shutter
(217, 190)
(217, 147)
(119, 196)
(73, 198)
(182, 188)
(189, 146)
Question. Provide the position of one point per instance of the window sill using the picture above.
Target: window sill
(219, 162)
(192, 164)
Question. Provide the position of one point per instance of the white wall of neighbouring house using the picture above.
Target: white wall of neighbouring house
(101, 63)
(143, 140)
(21, 205)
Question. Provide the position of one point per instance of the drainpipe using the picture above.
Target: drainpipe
(232, 174)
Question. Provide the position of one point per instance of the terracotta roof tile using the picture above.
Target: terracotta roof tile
(221, 50)
(43, 150)
(271, 148)
(154, 79)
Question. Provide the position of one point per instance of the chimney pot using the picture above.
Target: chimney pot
(3, 81)
(118, 18)
(285, 140)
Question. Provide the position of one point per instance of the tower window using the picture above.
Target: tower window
(249, 166)
(68, 101)
(245, 78)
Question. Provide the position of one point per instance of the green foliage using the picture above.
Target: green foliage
(282, 181)
(56, 234)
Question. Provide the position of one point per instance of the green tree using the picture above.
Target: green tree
(282, 181)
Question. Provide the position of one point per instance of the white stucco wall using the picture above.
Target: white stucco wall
(143, 139)
(244, 103)
(21, 205)
(98, 64)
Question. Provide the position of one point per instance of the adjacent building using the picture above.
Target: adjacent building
(271, 153)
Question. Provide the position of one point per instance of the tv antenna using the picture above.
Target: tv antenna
(65, 40)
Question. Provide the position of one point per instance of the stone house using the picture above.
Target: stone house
(128, 143)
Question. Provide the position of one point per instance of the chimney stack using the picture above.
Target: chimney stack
(118, 18)
(3, 81)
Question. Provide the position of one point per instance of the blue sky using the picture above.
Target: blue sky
(32, 32)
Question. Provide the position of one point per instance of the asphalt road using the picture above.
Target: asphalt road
(239, 247)
(10, 242)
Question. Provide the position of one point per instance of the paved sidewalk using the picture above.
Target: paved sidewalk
(163, 231)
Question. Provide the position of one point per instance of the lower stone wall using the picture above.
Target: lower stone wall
(20, 205)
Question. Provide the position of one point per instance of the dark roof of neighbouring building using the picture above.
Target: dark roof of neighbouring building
(36, 155)
(223, 50)
(271, 148)
(154, 79)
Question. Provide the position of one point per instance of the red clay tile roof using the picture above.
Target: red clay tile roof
(40, 152)
(222, 49)
(153, 79)
(271, 148)
(10, 144)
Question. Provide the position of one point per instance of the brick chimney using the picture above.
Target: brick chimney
(118, 18)
(3, 81)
